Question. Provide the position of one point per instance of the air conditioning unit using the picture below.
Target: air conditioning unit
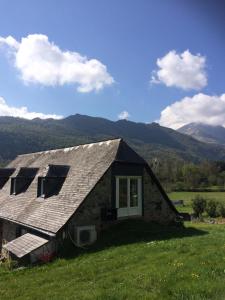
(85, 235)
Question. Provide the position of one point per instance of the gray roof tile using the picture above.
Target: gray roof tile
(25, 244)
(87, 164)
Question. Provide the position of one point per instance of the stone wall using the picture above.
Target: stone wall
(45, 253)
(8, 233)
(155, 206)
(9, 230)
(1, 228)
(89, 212)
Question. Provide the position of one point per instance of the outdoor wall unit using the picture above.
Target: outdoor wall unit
(85, 235)
(108, 214)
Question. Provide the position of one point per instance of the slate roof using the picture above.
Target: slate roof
(25, 244)
(88, 163)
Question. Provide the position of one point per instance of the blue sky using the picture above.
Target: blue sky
(127, 38)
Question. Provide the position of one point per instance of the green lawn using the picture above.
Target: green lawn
(131, 261)
(188, 196)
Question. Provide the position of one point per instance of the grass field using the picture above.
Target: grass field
(131, 261)
(188, 196)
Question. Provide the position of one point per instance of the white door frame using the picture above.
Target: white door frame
(129, 211)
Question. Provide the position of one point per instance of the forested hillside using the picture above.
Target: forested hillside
(150, 140)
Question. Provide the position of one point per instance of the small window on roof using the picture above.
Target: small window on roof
(22, 181)
(52, 183)
(5, 174)
(57, 171)
(42, 186)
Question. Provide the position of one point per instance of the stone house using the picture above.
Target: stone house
(73, 193)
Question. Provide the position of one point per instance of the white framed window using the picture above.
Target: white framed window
(128, 196)
(42, 188)
(14, 186)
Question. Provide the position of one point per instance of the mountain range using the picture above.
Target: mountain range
(19, 136)
(205, 133)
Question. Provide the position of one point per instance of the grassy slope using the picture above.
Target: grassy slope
(188, 196)
(137, 261)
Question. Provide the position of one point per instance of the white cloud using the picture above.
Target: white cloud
(22, 112)
(185, 71)
(199, 108)
(9, 41)
(41, 61)
(123, 115)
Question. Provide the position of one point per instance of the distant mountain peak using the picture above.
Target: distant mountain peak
(204, 132)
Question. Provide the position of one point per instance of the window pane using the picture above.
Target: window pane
(123, 192)
(133, 192)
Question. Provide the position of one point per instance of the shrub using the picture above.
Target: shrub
(9, 264)
(211, 208)
(198, 205)
(221, 210)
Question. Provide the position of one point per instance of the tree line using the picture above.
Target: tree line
(181, 176)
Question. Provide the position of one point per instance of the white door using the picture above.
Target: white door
(128, 196)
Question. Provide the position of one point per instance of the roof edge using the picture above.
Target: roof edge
(61, 149)
(49, 233)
